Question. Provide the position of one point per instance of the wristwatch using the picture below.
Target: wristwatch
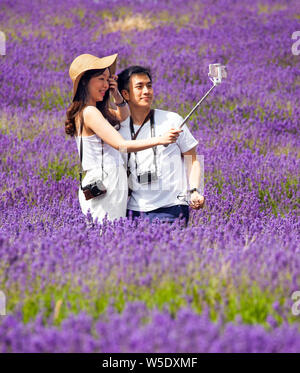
(195, 190)
(123, 103)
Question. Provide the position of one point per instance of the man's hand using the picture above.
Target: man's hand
(197, 201)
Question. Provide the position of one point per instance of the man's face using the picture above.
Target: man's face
(140, 91)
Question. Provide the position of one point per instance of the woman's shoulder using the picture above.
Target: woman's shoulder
(91, 110)
(87, 114)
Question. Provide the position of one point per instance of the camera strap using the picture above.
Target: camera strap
(81, 152)
(135, 134)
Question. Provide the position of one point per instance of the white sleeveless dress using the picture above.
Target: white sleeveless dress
(114, 201)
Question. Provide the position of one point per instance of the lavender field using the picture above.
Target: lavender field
(224, 283)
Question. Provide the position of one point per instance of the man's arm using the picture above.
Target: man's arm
(194, 177)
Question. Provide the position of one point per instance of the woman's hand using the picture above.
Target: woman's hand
(113, 87)
(197, 201)
(169, 137)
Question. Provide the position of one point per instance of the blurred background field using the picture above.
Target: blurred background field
(223, 284)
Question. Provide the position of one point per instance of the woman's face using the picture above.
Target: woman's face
(98, 85)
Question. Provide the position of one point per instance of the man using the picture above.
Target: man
(157, 176)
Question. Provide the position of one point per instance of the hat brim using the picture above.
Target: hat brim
(109, 62)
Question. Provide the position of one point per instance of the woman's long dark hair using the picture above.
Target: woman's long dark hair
(80, 102)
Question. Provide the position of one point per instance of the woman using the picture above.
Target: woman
(93, 81)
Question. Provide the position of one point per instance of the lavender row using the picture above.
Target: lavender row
(129, 332)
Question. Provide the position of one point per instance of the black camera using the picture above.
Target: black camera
(94, 190)
(147, 177)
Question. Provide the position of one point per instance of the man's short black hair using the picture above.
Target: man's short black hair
(124, 76)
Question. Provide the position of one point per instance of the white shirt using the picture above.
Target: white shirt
(172, 178)
(92, 153)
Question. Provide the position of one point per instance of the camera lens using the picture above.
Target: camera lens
(95, 191)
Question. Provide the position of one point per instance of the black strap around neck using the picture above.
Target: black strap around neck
(150, 116)
(135, 134)
(81, 152)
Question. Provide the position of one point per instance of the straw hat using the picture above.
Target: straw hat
(86, 62)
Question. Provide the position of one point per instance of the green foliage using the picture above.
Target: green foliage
(72, 302)
(287, 191)
(266, 200)
(216, 178)
(54, 98)
(290, 186)
(57, 168)
(167, 293)
(252, 303)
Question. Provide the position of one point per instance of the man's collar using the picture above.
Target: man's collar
(148, 116)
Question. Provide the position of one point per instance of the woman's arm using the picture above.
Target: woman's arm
(119, 112)
(94, 120)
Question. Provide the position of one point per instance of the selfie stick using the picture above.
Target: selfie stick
(195, 108)
(216, 73)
